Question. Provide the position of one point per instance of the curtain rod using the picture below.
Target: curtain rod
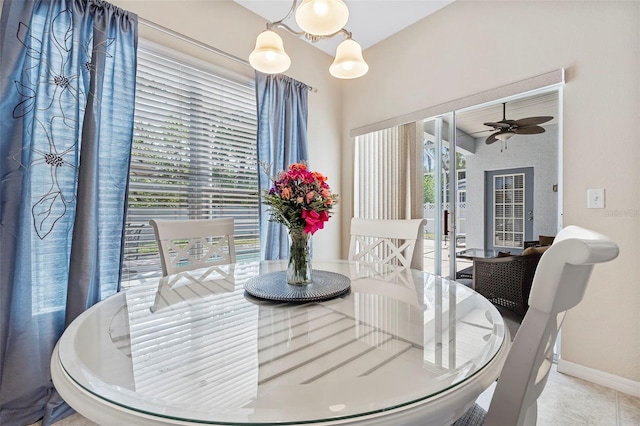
(198, 43)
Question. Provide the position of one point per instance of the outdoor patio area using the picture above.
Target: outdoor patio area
(429, 257)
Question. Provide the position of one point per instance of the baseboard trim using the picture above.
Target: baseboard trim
(609, 380)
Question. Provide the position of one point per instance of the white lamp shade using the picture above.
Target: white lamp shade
(322, 17)
(349, 62)
(269, 56)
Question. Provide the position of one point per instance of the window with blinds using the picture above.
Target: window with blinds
(194, 156)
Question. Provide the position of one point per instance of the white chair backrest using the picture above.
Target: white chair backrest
(384, 241)
(185, 245)
(559, 284)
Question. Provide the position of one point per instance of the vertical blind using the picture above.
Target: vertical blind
(388, 182)
(378, 175)
(194, 157)
(388, 174)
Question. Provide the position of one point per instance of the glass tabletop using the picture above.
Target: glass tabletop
(471, 253)
(196, 347)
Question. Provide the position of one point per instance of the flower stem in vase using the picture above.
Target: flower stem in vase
(299, 271)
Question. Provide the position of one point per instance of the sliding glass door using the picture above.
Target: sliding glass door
(444, 195)
(499, 189)
(481, 190)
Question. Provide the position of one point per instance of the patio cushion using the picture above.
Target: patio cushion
(534, 250)
(545, 240)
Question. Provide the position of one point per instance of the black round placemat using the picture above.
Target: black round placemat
(273, 286)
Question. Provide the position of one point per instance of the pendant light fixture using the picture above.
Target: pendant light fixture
(318, 19)
(322, 17)
(348, 62)
(269, 55)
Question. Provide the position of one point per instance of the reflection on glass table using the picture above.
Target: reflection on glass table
(402, 346)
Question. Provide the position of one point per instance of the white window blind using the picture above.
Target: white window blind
(509, 218)
(194, 157)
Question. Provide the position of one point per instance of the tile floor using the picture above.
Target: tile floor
(566, 401)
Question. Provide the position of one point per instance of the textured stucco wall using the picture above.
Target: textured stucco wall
(537, 151)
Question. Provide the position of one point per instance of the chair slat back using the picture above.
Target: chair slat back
(185, 245)
(384, 241)
(559, 284)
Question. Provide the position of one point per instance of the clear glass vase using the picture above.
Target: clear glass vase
(299, 271)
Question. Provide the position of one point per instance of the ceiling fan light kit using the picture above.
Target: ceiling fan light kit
(318, 19)
(505, 129)
(504, 136)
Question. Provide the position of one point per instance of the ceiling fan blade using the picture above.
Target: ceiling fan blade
(528, 130)
(492, 138)
(531, 121)
(481, 131)
(497, 124)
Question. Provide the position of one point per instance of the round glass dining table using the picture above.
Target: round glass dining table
(400, 346)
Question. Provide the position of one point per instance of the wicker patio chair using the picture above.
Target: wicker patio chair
(506, 281)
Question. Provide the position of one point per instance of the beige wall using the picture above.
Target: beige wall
(233, 29)
(469, 47)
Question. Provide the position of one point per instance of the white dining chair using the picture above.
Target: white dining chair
(558, 285)
(384, 241)
(185, 245)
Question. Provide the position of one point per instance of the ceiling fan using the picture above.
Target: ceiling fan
(507, 128)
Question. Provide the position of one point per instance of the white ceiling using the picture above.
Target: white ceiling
(370, 21)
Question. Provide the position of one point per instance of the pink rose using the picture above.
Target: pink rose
(310, 196)
(286, 193)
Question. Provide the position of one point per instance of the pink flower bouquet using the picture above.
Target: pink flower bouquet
(300, 199)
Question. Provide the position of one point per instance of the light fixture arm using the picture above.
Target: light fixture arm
(314, 38)
(280, 23)
(311, 37)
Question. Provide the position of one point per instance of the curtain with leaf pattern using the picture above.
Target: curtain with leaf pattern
(67, 84)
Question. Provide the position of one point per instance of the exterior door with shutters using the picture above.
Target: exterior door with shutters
(509, 209)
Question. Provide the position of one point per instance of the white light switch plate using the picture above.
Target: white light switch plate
(595, 198)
